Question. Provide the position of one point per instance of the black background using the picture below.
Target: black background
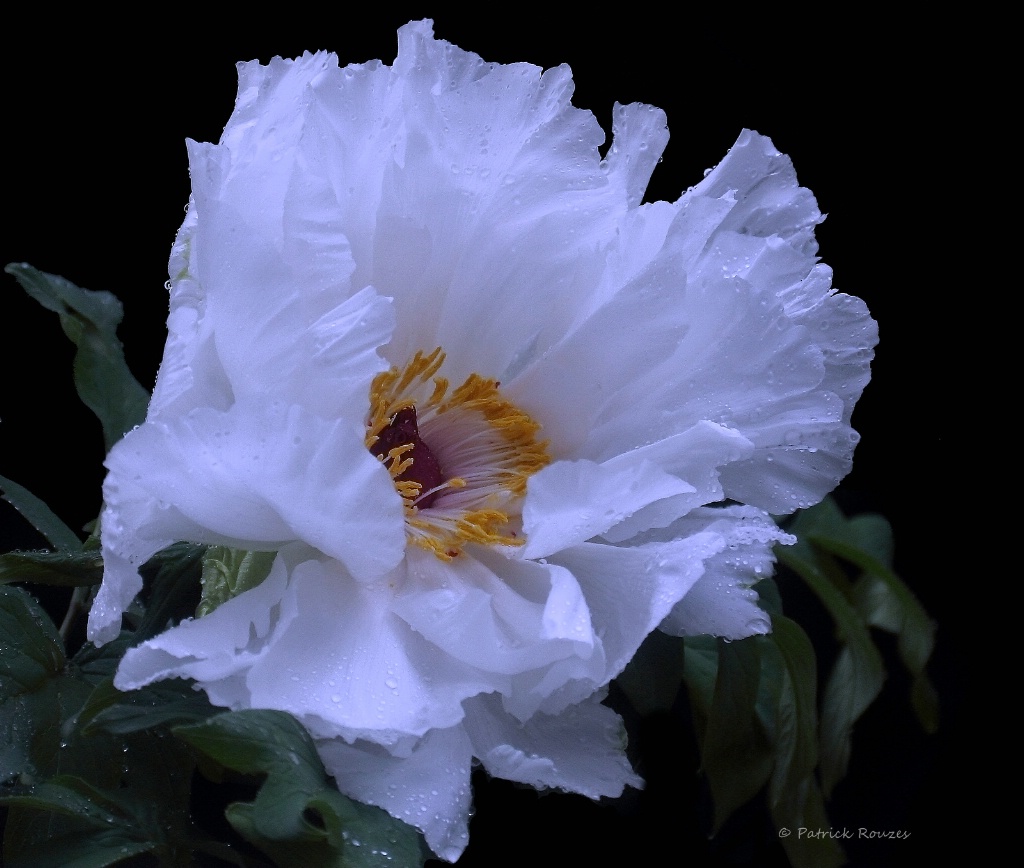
(95, 180)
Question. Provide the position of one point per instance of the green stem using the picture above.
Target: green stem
(76, 605)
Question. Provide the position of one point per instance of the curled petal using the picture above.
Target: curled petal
(427, 788)
(216, 647)
(722, 601)
(581, 750)
(570, 502)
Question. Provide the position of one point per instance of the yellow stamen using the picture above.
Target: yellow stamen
(484, 441)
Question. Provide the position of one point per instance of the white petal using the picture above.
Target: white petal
(135, 528)
(342, 662)
(311, 641)
(581, 750)
(805, 446)
(748, 334)
(217, 646)
(502, 616)
(604, 358)
(525, 626)
(279, 322)
(191, 374)
(639, 138)
(428, 788)
(762, 184)
(465, 205)
(721, 602)
(121, 583)
(841, 325)
(694, 455)
(488, 169)
(260, 140)
(277, 278)
(630, 590)
(255, 477)
(823, 341)
(571, 501)
(314, 477)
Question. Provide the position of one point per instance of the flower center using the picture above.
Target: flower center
(460, 460)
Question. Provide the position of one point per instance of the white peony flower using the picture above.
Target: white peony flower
(499, 419)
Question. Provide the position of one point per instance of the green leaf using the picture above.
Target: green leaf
(30, 649)
(43, 742)
(126, 796)
(853, 684)
(40, 516)
(96, 796)
(768, 594)
(856, 678)
(96, 663)
(162, 704)
(700, 672)
(796, 717)
(652, 678)
(90, 320)
(879, 596)
(145, 807)
(114, 836)
(72, 796)
(31, 655)
(67, 569)
(736, 755)
(40, 695)
(82, 849)
(870, 533)
(795, 799)
(887, 603)
(298, 817)
(37, 693)
(173, 588)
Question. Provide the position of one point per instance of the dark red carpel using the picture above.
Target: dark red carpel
(425, 469)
